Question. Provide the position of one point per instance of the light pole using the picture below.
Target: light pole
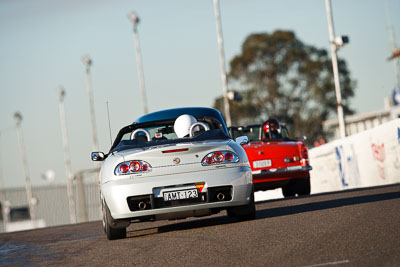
(222, 61)
(335, 45)
(31, 200)
(67, 160)
(135, 20)
(395, 50)
(88, 63)
(4, 202)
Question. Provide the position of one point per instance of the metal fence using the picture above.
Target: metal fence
(52, 204)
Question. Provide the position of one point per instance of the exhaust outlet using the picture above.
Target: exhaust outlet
(220, 196)
(142, 205)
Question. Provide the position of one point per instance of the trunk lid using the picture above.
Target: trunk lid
(276, 152)
(182, 157)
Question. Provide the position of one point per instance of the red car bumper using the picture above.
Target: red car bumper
(277, 178)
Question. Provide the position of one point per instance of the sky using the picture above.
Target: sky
(42, 42)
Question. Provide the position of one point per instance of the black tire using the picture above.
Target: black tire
(246, 212)
(111, 232)
(303, 186)
(298, 186)
(289, 190)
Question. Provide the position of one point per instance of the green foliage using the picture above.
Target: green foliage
(280, 76)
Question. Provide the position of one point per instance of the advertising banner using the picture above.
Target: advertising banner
(370, 158)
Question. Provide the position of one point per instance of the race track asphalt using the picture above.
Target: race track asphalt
(350, 228)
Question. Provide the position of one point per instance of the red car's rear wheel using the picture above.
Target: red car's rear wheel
(299, 186)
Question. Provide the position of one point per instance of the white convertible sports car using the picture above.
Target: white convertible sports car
(174, 164)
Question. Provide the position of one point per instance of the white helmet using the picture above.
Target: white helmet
(182, 125)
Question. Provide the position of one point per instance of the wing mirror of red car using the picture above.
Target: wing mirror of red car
(98, 156)
(242, 140)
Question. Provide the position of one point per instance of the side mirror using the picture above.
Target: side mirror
(242, 140)
(98, 156)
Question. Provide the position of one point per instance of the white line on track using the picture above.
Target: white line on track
(328, 263)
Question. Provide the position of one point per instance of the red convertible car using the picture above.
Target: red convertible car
(277, 161)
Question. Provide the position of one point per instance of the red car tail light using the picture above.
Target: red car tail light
(303, 154)
(219, 157)
(132, 167)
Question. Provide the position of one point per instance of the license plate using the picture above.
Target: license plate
(182, 194)
(293, 168)
(262, 163)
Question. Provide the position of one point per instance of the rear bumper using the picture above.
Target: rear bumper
(276, 178)
(120, 195)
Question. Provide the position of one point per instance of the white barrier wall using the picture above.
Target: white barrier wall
(366, 159)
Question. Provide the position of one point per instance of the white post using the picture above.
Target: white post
(88, 63)
(31, 200)
(135, 20)
(394, 46)
(67, 159)
(222, 61)
(4, 202)
(342, 127)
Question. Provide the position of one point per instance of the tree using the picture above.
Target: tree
(280, 76)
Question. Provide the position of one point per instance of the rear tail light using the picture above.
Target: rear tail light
(219, 157)
(123, 168)
(303, 154)
(144, 168)
(132, 167)
(229, 156)
(200, 186)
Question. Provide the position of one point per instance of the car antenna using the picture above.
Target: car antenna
(109, 124)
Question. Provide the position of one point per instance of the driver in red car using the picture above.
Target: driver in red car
(271, 130)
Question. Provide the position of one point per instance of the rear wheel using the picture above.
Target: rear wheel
(289, 190)
(303, 186)
(299, 186)
(245, 212)
(111, 232)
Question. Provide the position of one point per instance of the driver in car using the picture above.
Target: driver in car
(271, 129)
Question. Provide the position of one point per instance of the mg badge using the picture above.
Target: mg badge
(177, 160)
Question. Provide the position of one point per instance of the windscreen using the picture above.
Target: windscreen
(161, 133)
(254, 133)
